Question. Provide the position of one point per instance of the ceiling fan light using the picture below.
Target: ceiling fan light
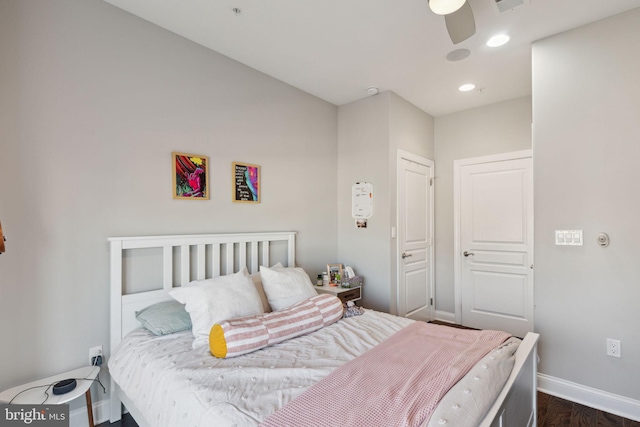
(445, 7)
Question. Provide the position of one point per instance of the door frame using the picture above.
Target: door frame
(457, 259)
(406, 155)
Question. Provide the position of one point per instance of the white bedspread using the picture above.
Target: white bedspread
(175, 385)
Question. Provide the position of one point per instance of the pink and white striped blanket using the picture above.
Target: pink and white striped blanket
(397, 383)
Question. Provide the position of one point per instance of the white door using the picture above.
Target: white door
(494, 242)
(415, 241)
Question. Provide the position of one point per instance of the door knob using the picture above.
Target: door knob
(404, 255)
(465, 253)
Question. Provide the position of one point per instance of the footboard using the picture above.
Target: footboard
(516, 405)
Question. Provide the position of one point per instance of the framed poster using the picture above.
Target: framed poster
(246, 183)
(190, 176)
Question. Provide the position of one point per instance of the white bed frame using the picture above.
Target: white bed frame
(514, 407)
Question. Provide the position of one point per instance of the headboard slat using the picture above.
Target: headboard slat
(185, 265)
(254, 257)
(291, 250)
(242, 254)
(216, 259)
(230, 249)
(167, 267)
(201, 262)
(265, 253)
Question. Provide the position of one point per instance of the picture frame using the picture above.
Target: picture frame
(246, 183)
(332, 270)
(190, 176)
(2, 239)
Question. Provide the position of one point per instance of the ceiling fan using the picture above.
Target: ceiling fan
(458, 18)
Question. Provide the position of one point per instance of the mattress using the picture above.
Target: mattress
(173, 385)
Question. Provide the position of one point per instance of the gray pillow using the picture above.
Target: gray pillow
(165, 318)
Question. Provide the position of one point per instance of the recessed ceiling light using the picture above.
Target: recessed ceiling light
(498, 40)
(467, 87)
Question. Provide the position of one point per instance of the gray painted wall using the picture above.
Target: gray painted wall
(363, 156)
(586, 112)
(497, 128)
(93, 102)
(369, 133)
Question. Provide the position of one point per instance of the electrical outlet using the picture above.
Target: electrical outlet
(613, 348)
(95, 355)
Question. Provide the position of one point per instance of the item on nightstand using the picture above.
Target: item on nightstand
(353, 282)
(333, 270)
(64, 386)
(349, 272)
(352, 310)
(319, 280)
(325, 279)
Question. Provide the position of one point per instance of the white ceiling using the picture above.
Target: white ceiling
(335, 49)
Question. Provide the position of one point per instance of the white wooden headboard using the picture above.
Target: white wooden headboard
(221, 252)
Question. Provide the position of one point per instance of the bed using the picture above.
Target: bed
(175, 261)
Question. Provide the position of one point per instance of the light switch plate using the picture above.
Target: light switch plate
(568, 237)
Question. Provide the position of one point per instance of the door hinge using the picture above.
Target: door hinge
(431, 182)
(431, 301)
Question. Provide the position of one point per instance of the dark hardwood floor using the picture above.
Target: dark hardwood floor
(552, 412)
(556, 412)
(126, 421)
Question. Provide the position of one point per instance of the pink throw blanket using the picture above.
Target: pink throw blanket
(397, 383)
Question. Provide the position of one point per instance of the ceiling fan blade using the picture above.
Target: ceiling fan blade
(460, 24)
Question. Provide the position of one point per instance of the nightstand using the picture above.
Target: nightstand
(345, 294)
(33, 393)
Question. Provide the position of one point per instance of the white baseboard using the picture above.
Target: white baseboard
(79, 418)
(445, 316)
(594, 398)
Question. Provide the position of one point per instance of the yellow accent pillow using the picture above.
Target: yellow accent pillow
(217, 343)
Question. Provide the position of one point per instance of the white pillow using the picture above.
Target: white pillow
(257, 280)
(213, 300)
(286, 286)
